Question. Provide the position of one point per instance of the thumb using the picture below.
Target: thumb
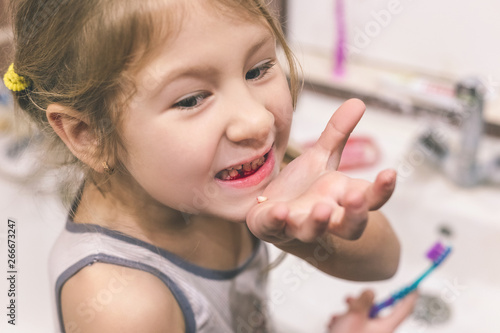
(338, 129)
(362, 303)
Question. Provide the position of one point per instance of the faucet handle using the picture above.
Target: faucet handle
(471, 90)
(433, 145)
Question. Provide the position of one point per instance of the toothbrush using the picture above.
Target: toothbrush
(436, 254)
(340, 49)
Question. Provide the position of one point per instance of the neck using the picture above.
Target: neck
(206, 241)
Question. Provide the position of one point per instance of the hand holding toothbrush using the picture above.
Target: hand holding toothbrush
(437, 254)
(357, 320)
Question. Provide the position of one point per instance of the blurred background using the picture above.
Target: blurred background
(428, 72)
(30, 198)
(398, 49)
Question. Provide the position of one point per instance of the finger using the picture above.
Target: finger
(333, 320)
(268, 220)
(350, 220)
(401, 311)
(338, 129)
(313, 226)
(363, 303)
(381, 190)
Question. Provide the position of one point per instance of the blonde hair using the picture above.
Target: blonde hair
(80, 54)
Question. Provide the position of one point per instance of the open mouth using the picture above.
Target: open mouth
(242, 170)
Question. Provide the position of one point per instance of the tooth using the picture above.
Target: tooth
(233, 173)
(224, 174)
(238, 167)
(247, 167)
(261, 199)
(262, 160)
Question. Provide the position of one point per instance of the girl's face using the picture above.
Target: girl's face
(209, 124)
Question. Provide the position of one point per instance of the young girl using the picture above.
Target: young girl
(179, 113)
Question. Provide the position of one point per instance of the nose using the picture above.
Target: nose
(249, 120)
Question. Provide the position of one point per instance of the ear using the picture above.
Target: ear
(74, 130)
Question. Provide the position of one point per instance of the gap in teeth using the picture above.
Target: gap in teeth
(242, 169)
(254, 165)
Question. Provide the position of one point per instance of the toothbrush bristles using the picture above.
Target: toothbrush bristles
(436, 251)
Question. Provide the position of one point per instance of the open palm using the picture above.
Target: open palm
(310, 197)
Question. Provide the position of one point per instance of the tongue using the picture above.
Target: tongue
(244, 174)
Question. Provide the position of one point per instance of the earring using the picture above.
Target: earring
(107, 169)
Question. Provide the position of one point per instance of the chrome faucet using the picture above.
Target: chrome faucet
(462, 166)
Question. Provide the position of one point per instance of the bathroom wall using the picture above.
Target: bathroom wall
(447, 38)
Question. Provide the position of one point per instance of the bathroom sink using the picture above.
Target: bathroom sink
(461, 296)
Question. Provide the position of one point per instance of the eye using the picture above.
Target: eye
(192, 101)
(259, 71)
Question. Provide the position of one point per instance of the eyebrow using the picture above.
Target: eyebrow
(205, 70)
(263, 41)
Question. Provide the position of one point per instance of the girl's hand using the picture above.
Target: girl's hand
(356, 318)
(309, 197)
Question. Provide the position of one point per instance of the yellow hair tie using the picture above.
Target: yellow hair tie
(15, 82)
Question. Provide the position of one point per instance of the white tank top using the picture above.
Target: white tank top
(212, 301)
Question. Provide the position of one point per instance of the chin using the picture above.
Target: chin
(237, 216)
(237, 212)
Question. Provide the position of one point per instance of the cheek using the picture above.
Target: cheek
(280, 102)
(167, 163)
(170, 179)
